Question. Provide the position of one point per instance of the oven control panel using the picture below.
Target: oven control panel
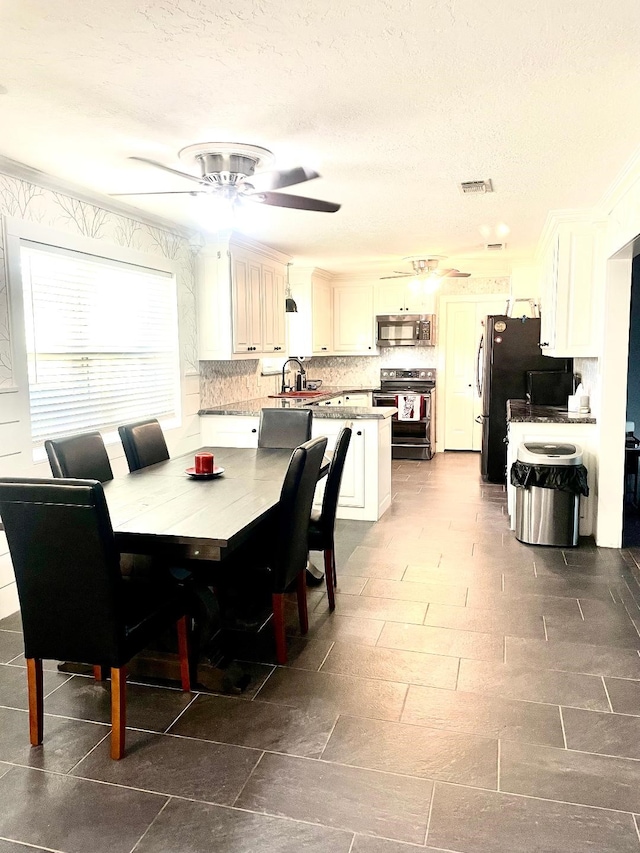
(421, 374)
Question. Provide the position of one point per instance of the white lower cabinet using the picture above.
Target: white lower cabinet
(352, 490)
(360, 398)
(229, 431)
(365, 493)
(581, 434)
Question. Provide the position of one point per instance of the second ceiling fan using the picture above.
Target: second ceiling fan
(426, 268)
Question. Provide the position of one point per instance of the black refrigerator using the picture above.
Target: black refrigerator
(509, 347)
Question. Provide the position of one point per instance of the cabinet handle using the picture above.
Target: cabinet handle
(359, 432)
(545, 344)
(254, 430)
(323, 348)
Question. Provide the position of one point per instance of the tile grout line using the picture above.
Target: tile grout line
(326, 656)
(164, 806)
(604, 684)
(564, 734)
(426, 832)
(544, 625)
(635, 823)
(353, 841)
(174, 721)
(246, 781)
(580, 609)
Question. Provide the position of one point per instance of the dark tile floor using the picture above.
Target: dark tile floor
(469, 694)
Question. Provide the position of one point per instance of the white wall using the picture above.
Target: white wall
(32, 210)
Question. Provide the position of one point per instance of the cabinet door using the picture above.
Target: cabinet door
(229, 431)
(321, 317)
(392, 297)
(246, 284)
(352, 487)
(273, 320)
(353, 319)
(548, 299)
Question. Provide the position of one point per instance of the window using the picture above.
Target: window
(102, 341)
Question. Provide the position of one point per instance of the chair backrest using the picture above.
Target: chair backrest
(143, 443)
(296, 498)
(327, 520)
(83, 457)
(67, 568)
(284, 428)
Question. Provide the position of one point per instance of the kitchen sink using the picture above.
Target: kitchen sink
(298, 394)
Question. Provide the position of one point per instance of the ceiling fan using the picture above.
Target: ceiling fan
(228, 171)
(427, 268)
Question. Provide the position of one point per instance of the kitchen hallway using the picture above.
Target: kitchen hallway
(468, 694)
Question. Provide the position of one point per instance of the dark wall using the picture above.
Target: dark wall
(633, 383)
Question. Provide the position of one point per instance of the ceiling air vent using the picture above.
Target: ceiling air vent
(473, 187)
(495, 247)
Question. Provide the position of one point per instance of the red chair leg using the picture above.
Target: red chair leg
(118, 710)
(277, 601)
(301, 592)
(36, 709)
(100, 673)
(328, 579)
(183, 652)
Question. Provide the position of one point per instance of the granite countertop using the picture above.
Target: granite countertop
(519, 411)
(250, 408)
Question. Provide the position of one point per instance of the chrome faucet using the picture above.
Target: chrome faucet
(301, 377)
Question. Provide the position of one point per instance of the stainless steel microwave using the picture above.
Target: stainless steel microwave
(406, 330)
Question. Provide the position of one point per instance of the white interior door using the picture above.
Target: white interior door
(462, 405)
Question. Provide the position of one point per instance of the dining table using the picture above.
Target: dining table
(161, 510)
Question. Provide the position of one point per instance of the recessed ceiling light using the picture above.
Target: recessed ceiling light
(3, 90)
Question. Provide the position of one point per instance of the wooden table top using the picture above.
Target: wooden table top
(161, 510)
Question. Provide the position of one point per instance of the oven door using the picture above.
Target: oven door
(409, 439)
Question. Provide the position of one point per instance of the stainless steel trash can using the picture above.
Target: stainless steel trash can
(548, 516)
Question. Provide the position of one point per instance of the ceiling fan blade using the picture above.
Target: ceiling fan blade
(457, 274)
(276, 180)
(295, 201)
(166, 192)
(167, 169)
(400, 275)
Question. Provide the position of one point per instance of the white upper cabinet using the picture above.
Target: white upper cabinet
(241, 303)
(571, 270)
(403, 296)
(322, 312)
(353, 319)
(310, 329)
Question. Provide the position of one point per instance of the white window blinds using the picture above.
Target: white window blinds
(102, 342)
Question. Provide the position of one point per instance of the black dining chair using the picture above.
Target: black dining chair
(144, 443)
(75, 604)
(81, 456)
(323, 521)
(261, 573)
(284, 428)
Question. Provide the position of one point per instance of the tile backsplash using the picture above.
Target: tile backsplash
(231, 381)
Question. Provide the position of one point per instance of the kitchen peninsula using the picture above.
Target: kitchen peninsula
(366, 484)
(553, 425)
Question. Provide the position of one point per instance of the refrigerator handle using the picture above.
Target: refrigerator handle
(479, 367)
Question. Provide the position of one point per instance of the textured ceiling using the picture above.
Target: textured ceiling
(393, 101)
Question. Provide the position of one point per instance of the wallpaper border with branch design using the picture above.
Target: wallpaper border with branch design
(32, 203)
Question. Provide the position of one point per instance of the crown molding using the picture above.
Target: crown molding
(628, 176)
(22, 172)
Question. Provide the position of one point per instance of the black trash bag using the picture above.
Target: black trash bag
(564, 478)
